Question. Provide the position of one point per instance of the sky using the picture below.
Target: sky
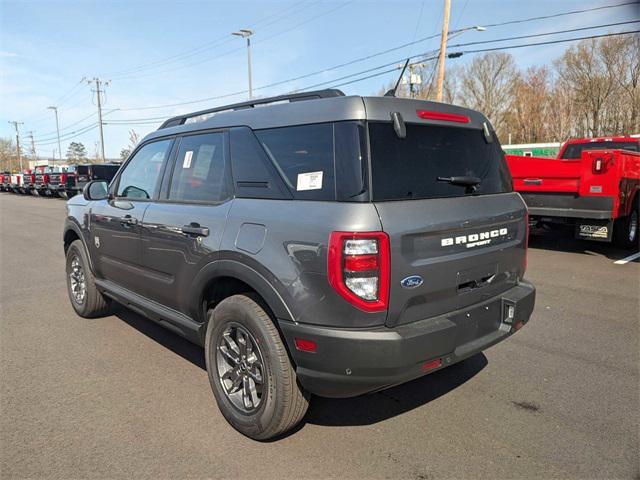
(157, 53)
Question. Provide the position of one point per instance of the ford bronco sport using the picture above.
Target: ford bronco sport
(313, 243)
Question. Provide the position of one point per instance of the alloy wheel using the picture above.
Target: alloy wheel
(77, 281)
(240, 368)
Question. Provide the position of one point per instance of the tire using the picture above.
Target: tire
(281, 402)
(92, 303)
(626, 229)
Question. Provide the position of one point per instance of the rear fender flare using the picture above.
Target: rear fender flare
(244, 273)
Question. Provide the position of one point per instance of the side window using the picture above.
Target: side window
(140, 176)
(304, 157)
(199, 173)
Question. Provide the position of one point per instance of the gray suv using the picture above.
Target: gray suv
(313, 243)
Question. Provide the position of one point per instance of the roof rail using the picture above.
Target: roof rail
(294, 97)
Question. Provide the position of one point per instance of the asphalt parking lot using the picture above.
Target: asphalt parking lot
(120, 397)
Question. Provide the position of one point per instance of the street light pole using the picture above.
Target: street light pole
(443, 47)
(55, 110)
(246, 33)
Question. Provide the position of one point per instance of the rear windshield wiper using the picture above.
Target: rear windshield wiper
(465, 180)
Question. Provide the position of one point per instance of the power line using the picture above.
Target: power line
(195, 51)
(561, 14)
(151, 121)
(549, 42)
(520, 37)
(70, 135)
(351, 62)
(229, 52)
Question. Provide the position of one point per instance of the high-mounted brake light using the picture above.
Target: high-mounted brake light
(359, 270)
(445, 117)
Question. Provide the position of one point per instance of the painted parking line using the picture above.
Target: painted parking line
(628, 259)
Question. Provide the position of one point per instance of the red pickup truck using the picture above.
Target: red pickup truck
(592, 184)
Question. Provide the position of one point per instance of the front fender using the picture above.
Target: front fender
(71, 224)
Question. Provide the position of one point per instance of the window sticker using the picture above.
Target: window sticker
(186, 163)
(309, 181)
(203, 161)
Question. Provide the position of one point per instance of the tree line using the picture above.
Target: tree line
(592, 89)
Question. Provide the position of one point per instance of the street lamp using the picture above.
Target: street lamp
(246, 33)
(443, 50)
(55, 110)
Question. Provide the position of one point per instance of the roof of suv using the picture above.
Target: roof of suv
(317, 107)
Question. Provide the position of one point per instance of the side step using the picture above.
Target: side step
(175, 321)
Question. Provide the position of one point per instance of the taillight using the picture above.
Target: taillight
(446, 117)
(359, 268)
(63, 178)
(598, 165)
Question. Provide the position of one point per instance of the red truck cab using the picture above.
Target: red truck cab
(592, 184)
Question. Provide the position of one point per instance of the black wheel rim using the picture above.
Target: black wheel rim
(240, 368)
(633, 226)
(77, 282)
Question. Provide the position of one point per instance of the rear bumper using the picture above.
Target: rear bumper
(353, 362)
(568, 205)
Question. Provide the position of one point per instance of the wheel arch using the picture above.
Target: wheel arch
(71, 233)
(241, 274)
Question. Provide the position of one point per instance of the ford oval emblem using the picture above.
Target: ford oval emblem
(413, 281)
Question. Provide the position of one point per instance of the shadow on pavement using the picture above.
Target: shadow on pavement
(376, 407)
(562, 240)
(363, 410)
(161, 335)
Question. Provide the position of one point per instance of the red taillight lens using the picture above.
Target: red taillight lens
(359, 268)
(360, 263)
(445, 117)
(63, 178)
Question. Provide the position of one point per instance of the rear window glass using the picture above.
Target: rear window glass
(575, 150)
(408, 168)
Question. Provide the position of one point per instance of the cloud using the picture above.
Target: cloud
(4, 54)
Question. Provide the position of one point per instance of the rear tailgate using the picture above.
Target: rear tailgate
(538, 174)
(465, 250)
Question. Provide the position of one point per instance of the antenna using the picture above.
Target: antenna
(392, 92)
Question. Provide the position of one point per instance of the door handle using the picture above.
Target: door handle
(128, 220)
(196, 230)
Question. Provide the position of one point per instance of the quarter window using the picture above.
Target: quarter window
(199, 173)
(140, 176)
(304, 157)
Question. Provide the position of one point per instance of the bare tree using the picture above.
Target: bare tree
(7, 154)
(486, 85)
(529, 114)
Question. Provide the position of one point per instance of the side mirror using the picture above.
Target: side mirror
(96, 190)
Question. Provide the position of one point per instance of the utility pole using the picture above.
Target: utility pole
(443, 49)
(17, 127)
(97, 91)
(55, 110)
(33, 146)
(246, 33)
